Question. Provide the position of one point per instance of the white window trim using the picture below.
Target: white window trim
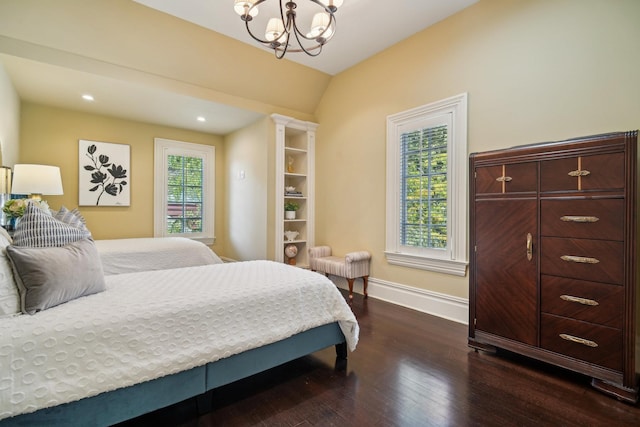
(163, 148)
(455, 260)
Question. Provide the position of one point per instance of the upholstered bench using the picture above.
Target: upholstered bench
(351, 266)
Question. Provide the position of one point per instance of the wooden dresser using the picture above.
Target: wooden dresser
(553, 271)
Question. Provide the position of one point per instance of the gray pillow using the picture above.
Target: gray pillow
(39, 229)
(47, 277)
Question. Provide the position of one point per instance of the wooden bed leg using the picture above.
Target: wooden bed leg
(341, 350)
(341, 357)
(204, 402)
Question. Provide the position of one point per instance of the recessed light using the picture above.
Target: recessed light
(87, 97)
(201, 119)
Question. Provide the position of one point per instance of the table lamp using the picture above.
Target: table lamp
(36, 180)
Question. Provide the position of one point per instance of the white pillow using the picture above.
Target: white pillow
(9, 297)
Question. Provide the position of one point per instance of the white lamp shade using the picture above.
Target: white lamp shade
(275, 30)
(319, 24)
(36, 179)
(242, 7)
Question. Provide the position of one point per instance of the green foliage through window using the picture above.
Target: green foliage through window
(424, 188)
(184, 194)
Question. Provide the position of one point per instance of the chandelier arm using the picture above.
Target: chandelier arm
(307, 50)
(322, 5)
(267, 42)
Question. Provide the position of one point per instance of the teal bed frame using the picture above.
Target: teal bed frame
(120, 405)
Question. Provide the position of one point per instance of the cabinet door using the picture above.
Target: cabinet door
(505, 288)
(583, 173)
(510, 178)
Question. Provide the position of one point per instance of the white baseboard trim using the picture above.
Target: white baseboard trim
(437, 304)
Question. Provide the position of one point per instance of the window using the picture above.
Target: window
(184, 190)
(426, 187)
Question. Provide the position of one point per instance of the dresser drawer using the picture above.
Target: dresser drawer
(581, 300)
(596, 344)
(583, 219)
(593, 260)
(595, 172)
(509, 178)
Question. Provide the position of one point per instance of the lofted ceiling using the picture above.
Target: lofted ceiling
(364, 28)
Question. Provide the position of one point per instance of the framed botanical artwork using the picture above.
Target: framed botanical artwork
(104, 177)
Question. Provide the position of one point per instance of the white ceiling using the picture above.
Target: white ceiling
(364, 28)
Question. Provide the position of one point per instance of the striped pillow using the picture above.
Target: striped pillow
(72, 217)
(39, 229)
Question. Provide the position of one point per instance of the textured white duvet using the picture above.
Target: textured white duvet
(151, 324)
(152, 253)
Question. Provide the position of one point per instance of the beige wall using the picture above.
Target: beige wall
(9, 121)
(125, 40)
(535, 70)
(246, 198)
(50, 136)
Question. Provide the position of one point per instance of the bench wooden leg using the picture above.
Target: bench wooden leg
(365, 279)
(350, 281)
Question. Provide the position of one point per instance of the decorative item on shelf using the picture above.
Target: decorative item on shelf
(290, 168)
(283, 32)
(291, 251)
(291, 192)
(290, 209)
(291, 235)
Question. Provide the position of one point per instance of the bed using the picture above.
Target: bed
(153, 338)
(144, 254)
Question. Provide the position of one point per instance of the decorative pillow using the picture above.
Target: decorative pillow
(73, 218)
(38, 229)
(9, 297)
(47, 277)
(4, 233)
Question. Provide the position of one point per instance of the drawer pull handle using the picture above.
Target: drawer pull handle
(529, 246)
(573, 218)
(579, 173)
(579, 340)
(583, 301)
(580, 259)
(504, 179)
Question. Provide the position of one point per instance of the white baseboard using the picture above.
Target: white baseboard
(441, 305)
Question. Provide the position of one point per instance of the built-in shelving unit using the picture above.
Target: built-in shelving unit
(295, 157)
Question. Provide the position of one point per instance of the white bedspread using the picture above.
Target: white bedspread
(150, 324)
(153, 253)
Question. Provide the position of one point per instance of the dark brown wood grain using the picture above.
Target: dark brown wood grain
(596, 259)
(410, 369)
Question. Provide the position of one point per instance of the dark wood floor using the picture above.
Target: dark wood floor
(410, 369)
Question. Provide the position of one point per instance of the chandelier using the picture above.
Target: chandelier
(282, 33)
